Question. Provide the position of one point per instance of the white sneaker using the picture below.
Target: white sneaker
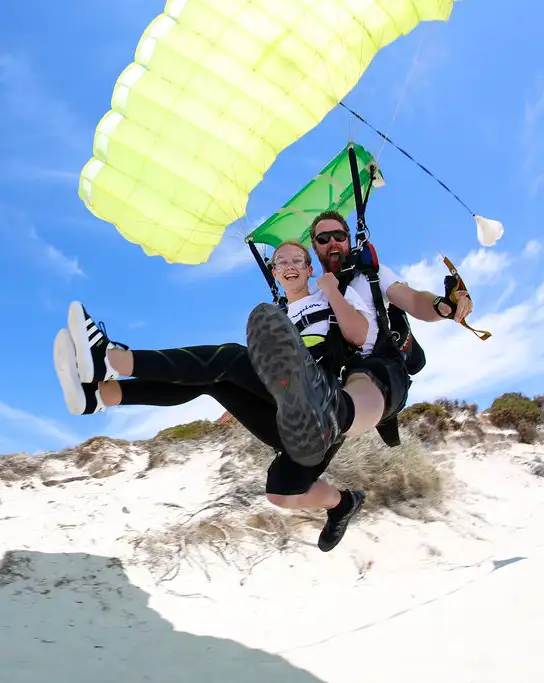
(80, 399)
(91, 346)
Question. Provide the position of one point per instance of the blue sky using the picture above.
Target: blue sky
(465, 97)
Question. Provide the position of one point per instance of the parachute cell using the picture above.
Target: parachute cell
(217, 90)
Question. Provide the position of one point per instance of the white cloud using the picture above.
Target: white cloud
(143, 422)
(63, 264)
(42, 126)
(424, 275)
(533, 139)
(39, 115)
(137, 324)
(483, 266)
(506, 294)
(37, 425)
(534, 110)
(459, 364)
(477, 268)
(231, 254)
(532, 248)
(19, 170)
(24, 242)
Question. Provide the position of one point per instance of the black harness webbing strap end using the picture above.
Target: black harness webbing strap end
(389, 431)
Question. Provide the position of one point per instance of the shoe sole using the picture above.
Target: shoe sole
(80, 336)
(326, 548)
(64, 355)
(286, 368)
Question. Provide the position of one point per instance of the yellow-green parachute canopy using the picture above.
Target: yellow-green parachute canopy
(217, 90)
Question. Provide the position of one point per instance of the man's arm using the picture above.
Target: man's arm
(420, 304)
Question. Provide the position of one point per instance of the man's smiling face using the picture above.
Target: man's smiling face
(331, 244)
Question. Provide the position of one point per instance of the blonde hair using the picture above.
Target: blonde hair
(293, 243)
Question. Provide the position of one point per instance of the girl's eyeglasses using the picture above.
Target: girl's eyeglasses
(298, 263)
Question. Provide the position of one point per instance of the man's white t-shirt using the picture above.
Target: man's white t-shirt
(317, 301)
(361, 287)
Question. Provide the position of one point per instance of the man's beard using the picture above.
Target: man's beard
(333, 265)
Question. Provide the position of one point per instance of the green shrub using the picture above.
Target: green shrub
(516, 411)
(426, 420)
(452, 406)
(190, 431)
(431, 411)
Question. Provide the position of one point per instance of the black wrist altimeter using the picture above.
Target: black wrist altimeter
(442, 300)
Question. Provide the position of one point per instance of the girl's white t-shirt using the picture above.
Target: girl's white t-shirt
(317, 301)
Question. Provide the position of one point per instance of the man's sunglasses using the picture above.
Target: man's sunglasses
(326, 236)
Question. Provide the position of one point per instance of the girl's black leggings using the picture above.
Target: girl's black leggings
(175, 376)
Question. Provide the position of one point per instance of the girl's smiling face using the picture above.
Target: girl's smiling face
(292, 269)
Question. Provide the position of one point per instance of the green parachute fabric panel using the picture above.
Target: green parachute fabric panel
(217, 89)
(332, 188)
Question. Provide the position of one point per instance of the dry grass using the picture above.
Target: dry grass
(391, 475)
(271, 527)
(19, 466)
(239, 523)
(93, 449)
(227, 531)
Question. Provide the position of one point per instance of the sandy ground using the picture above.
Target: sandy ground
(456, 598)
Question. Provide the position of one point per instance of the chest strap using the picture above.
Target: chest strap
(315, 317)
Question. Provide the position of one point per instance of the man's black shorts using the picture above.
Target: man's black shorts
(390, 375)
(288, 478)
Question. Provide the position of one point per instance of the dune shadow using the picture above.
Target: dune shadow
(74, 617)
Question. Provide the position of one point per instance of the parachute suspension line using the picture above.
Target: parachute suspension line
(279, 301)
(402, 95)
(409, 156)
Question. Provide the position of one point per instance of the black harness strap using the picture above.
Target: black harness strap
(315, 317)
(280, 301)
(387, 429)
(371, 273)
(336, 350)
(366, 262)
